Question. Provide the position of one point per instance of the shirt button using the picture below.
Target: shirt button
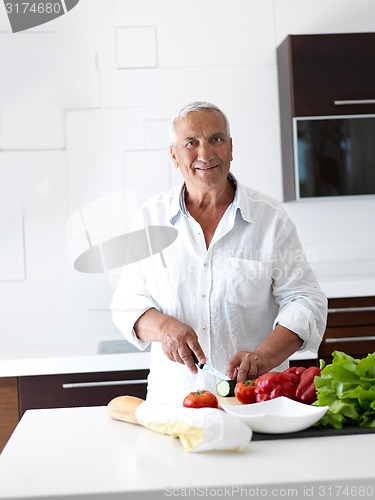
(203, 328)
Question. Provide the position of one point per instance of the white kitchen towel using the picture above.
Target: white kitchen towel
(199, 429)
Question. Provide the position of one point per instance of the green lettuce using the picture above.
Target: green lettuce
(347, 386)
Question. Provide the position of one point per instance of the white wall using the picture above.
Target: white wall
(84, 107)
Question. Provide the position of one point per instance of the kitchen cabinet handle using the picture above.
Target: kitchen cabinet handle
(106, 383)
(332, 340)
(350, 309)
(349, 102)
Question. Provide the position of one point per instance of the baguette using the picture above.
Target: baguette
(123, 408)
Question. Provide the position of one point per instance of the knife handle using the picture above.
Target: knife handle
(199, 365)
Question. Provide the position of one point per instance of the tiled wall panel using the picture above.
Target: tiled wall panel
(156, 134)
(39, 79)
(136, 47)
(32, 129)
(12, 237)
(146, 173)
(42, 299)
(320, 16)
(95, 142)
(205, 34)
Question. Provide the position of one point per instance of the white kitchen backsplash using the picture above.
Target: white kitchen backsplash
(83, 122)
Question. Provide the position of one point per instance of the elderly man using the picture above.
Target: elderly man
(235, 288)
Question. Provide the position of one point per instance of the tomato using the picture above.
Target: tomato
(201, 399)
(245, 392)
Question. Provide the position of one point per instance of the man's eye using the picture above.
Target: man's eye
(217, 139)
(189, 144)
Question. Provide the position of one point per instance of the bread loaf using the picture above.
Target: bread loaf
(123, 408)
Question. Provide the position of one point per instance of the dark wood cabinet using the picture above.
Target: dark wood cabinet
(350, 327)
(82, 389)
(329, 74)
(322, 76)
(9, 412)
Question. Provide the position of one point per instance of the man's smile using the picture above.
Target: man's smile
(205, 167)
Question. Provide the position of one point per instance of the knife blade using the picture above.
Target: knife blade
(209, 369)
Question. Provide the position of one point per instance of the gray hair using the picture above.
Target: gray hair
(191, 108)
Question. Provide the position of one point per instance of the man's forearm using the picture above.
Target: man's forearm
(279, 345)
(149, 327)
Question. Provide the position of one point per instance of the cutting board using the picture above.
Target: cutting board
(313, 432)
(227, 401)
(307, 433)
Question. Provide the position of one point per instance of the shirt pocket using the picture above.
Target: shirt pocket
(248, 281)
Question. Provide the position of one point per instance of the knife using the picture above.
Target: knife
(209, 369)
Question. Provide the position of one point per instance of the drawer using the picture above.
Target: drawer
(357, 341)
(83, 389)
(351, 311)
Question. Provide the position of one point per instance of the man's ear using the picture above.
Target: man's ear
(172, 152)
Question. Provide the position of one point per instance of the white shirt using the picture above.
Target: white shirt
(253, 275)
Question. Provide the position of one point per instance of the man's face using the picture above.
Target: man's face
(203, 150)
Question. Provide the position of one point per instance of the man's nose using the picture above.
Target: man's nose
(205, 152)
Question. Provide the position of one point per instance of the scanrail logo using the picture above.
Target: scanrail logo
(25, 15)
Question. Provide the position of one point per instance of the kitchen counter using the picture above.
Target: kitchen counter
(81, 451)
(46, 353)
(340, 279)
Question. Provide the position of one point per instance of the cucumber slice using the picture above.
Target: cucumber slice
(225, 388)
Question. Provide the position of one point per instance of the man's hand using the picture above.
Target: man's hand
(275, 349)
(177, 339)
(247, 365)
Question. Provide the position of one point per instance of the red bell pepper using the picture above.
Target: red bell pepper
(274, 384)
(298, 370)
(306, 391)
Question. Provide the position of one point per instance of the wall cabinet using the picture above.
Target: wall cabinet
(321, 76)
(328, 74)
(350, 327)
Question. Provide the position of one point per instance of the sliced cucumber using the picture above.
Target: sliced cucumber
(225, 388)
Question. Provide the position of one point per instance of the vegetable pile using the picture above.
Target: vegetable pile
(347, 386)
(295, 383)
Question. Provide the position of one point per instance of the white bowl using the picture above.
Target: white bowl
(277, 416)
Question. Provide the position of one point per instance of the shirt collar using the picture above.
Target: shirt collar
(239, 202)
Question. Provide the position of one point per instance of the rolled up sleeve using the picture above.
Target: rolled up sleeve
(301, 320)
(130, 300)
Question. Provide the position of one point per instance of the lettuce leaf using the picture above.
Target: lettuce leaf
(347, 386)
